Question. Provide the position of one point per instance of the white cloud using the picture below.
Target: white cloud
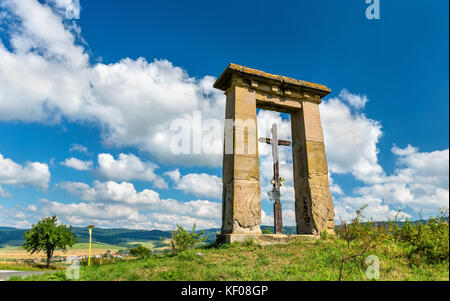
(287, 214)
(174, 175)
(351, 141)
(32, 208)
(426, 167)
(90, 210)
(77, 164)
(420, 183)
(334, 188)
(266, 220)
(128, 167)
(79, 148)
(376, 209)
(354, 100)
(147, 200)
(111, 191)
(29, 174)
(201, 185)
(47, 75)
(12, 217)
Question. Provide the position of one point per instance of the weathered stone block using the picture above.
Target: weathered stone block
(247, 206)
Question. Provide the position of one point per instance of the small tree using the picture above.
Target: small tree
(47, 236)
(140, 251)
(182, 240)
(363, 234)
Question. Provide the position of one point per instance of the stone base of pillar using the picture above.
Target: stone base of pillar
(263, 239)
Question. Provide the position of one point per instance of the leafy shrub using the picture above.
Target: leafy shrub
(183, 240)
(422, 241)
(267, 231)
(140, 251)
(429, 240)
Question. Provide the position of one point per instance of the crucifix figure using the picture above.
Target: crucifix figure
(278, 220)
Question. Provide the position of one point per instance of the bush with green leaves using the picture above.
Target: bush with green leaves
(267, 231)
(424, 241)
(140, 251)
(183, 240)
(427, 240)
(47, 236)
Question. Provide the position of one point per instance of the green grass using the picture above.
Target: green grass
(77, 246)
(299, 260)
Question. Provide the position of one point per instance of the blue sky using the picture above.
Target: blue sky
(112, 81)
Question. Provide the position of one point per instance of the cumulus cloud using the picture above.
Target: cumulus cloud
(377, 210)
(174, 175)
(128, 167)
(354, 100)
(90, 210)
(77, 164)
(420, 183)
(29, 174)
(147, 201)
(351, 141)
(46, 74)
(111, 191)
(201, 185)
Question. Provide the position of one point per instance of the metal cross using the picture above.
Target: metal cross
(278, 220)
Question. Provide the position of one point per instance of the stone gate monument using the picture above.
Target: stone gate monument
(247, 89)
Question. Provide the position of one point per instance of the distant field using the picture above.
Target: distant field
(149, 244)
(78, 250)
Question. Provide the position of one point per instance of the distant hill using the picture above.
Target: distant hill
(119, 237)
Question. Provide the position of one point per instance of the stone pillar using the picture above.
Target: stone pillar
(314, 210)
(241, 205)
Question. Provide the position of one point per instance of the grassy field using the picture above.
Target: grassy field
(78, 249)
(299, 260)
(8, 265)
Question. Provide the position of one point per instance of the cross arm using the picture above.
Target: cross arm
(280, 142)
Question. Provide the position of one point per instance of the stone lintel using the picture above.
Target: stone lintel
(270, 84)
